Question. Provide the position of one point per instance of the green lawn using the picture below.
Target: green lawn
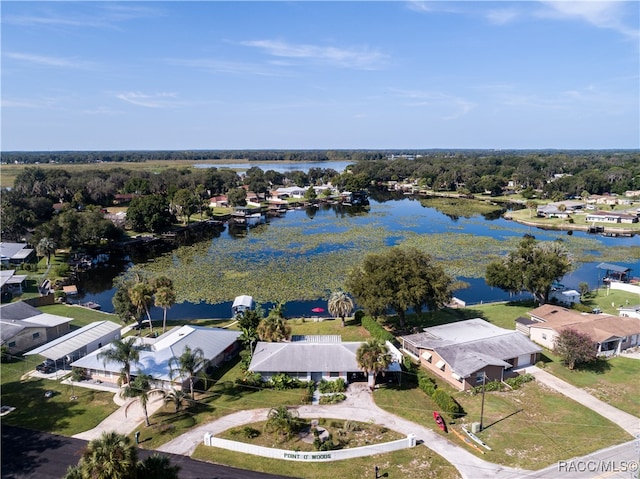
(614, 381)
(59, 414)
(529, 428)
(81, 316)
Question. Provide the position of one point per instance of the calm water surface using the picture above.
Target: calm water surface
(402, 215)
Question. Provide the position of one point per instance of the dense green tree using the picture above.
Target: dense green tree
(574, 348)
(149, 213)
(340, 304)
(399, 278)
(123, 307)
(532, 267)
(141, 295)
(123, 351)
(237, 197)
(186, 202)
(187, 365)
(373, 357)
(310, 194)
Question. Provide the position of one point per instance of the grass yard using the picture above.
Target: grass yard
(419, 461)
(81, 316)
(529, 428)
(351, 332)
(609, 380)
(58, 414)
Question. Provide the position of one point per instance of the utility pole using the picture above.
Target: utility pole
(484, 380)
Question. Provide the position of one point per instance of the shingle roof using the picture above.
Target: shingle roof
(468, 346)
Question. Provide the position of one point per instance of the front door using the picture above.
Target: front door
(316, 377)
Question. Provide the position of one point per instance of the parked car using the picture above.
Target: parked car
(47, 367)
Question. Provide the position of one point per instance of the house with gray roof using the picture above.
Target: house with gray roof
(313, 358)
(23, 327)
(15, 253)
(462, 353)
(13, 283)
(217, 344)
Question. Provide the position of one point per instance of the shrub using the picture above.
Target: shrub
(541, 364)
(334, 386)
(376, 330)
(332, 398)
(249, 432)
(61, 270)
(77, 374)
(358, 315)
(518, 381)
(427, 384)
(447, 404)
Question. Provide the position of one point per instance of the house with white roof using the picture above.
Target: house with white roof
(217, 344)
(465, 352)
(23, 327)
(78, 343)
(10, 282)
(313, 358)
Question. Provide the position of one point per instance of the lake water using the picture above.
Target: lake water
(403, 216)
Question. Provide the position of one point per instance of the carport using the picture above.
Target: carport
(78, 343)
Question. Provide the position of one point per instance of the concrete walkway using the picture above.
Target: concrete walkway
(124, 420)
(358, 407)
(626, 421)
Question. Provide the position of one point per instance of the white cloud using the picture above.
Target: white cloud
(502, 16)
(155, 100)
(359, 58)
(450, 107)
(223, 66)
(48, 61)
(602, 14)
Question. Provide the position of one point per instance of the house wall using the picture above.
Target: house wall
(444, 373)
(494, 373)
(57, 331)
(25, 340)
(307, 376)
(542, 336)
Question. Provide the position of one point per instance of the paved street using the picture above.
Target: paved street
(30, 454)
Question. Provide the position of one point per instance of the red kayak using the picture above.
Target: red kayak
(441, 424)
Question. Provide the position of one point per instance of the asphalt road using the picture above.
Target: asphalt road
(30, 454)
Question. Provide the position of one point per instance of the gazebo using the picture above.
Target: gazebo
(613, 272)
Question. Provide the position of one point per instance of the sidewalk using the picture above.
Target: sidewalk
(626, 421)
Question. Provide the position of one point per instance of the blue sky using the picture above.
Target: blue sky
(326, 75)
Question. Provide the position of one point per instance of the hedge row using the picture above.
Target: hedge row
(445, 402)
(376, 330)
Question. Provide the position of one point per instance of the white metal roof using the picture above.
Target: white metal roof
(75, 340)
(47, 320)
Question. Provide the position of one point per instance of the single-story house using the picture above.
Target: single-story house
(559, 209)
(313, 358)
(611, 217)
(218, 345)
(289, 192)
(465, 352)
(564, 296)
(219, 201)
(631, 311)
(11, 282)
(79, 343)
(15, 253)
(603, 200)
(611, 334)
(23, 327)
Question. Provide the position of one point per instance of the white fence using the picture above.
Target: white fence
(310, 456)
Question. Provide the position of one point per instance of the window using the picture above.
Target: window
(12, 344)
(479, 377)
(334, 374)
(427, 356)
(35, 335)
(440, 365)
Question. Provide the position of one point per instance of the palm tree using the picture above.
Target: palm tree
(111, 456)
(46, 247)
(340, 304)
(373, 357)
(177, 397)
(281, 421)
(141, 295)
(157, 467)
(141, 390)
(164, 298)
(274, 327)
(187, 365)
(123, 351)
